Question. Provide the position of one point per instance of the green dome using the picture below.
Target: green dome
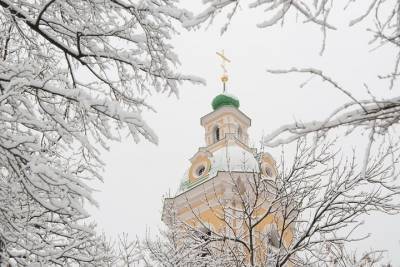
(224, 100)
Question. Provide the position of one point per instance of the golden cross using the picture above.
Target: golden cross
(224, 77)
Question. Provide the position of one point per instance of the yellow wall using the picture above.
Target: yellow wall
(211, 216)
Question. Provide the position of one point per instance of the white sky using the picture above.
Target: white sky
(137, 175)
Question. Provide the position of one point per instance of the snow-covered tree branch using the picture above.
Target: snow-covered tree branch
(275, 12)
(72, 75)
(382, 115)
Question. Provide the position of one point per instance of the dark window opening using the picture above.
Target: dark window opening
(239, 132)
(273, 239)
(217, 135)
(200, 170)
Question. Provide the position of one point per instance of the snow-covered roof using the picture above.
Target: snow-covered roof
(230, 158)
(233, 158)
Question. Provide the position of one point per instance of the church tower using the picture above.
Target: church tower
(228, 192)
(223, 178)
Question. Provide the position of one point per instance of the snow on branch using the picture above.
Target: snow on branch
(73, 75)
(382, 114)
(276, 12)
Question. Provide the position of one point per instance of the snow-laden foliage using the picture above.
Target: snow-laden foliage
(382, 16)
(179, 246)
(176, 246)
(72, 75)
(379, 116)
(315, 12)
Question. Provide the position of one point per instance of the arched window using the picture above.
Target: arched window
(217, 134)
(239, 132)
(273, 235)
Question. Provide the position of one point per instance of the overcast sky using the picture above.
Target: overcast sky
(138, 175)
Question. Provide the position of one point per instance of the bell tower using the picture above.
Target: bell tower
(225, 121)
(223, 179)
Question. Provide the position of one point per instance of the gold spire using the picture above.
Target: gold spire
(224, 77)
